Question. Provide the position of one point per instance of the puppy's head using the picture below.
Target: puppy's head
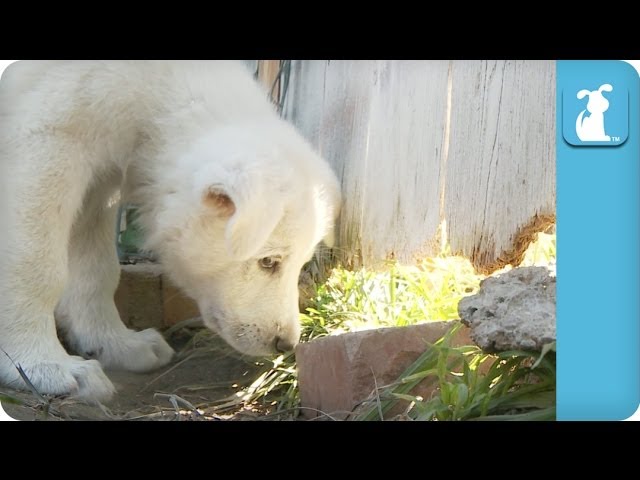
(235, 233)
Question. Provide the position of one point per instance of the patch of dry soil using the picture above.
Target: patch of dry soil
(201, 375)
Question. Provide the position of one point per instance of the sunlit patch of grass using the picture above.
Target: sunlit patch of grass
(400, 295)
(396, 296)
(542, 252)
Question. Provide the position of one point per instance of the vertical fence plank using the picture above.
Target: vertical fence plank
(381, 125)
(418, 142)
(501, 167)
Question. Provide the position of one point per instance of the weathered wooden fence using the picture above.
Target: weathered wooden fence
(431, 152)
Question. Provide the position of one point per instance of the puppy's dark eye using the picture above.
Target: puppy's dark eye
(268, 263)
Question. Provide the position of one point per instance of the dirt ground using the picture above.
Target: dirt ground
(202, 375)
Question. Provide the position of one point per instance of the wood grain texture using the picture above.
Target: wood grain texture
(380, 124)
(501, 166)
(416, 143)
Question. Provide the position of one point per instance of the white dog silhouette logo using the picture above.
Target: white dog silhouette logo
(591, 128)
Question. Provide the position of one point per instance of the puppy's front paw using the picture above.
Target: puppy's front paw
(136, 351)
(68, 375)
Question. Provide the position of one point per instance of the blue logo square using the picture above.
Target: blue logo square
(595, 111)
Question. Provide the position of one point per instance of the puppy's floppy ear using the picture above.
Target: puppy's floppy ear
(216, 198)
(252, 206)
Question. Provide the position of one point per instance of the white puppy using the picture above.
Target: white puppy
(232, 200)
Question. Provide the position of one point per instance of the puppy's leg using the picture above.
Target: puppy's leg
(87, 314)
(42, 195)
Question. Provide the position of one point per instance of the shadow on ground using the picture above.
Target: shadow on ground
(202, 374)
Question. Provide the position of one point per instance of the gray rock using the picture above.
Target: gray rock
(515, 310)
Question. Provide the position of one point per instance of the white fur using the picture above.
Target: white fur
(221, 182)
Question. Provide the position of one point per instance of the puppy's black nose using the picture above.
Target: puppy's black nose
(282, 345)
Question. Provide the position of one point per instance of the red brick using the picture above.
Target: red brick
(146, 299)
(176, 305)
(139, 296)
(336, 373)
